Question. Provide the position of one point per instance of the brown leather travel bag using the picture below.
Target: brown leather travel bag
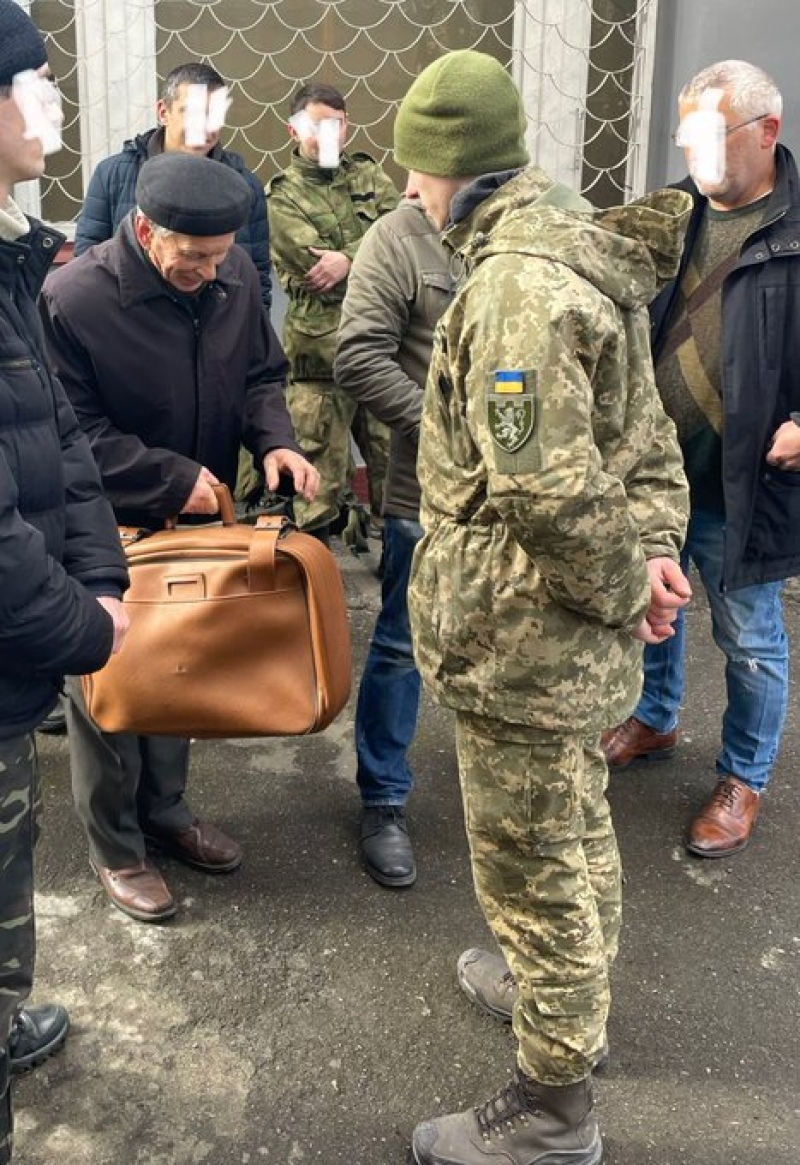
(236, 630)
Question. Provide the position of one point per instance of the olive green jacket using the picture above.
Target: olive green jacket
(399, 286)
(314, 207)
(550, 472)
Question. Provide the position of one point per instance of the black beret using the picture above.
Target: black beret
(21, 44)
(191, 195)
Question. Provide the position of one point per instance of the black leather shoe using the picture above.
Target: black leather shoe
(36, 1034)
(386, 846)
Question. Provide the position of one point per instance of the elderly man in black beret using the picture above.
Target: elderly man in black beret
(170, 361)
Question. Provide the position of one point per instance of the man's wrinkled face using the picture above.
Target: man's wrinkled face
(181, 114)
(185, 261)
(747, 162)
(318, 139)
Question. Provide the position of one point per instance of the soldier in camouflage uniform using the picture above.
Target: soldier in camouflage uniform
(62, 571)
(554, 507)
(319, 209)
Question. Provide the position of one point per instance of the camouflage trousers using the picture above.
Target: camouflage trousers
(547, 876)
(20, 811)
(323, 418)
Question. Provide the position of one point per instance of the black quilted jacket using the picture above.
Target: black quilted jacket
(59, 546)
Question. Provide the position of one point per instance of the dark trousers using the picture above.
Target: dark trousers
(124, 785)
(19, 811)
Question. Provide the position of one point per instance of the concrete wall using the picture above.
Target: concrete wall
(695, 33)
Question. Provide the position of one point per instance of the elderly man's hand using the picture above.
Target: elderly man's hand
(202, 499)
(294, 465)
(331, 268)
(119, 617)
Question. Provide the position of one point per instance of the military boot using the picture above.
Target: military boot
(485, 978)
(525, 1123)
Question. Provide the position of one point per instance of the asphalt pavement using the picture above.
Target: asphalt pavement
(295, 1013)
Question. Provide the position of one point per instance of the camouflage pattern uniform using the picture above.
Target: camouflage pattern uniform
(550, 474)
(20, 812)
(332, 209)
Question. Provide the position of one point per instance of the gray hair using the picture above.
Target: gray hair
(159, 232)
(751, 91)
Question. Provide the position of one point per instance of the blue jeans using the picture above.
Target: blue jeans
(748, 628)
(388, 699)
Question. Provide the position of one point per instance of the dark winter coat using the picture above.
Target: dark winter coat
(60, 546)
(159, 393)
(760, 382)
(112, 194)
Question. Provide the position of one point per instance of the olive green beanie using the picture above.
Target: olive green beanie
(463, 116)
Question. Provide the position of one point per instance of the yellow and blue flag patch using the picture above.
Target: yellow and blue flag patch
(511, 407)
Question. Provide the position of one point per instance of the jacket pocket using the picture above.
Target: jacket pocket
(775, 528)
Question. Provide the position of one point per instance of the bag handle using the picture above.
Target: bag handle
(261, 561)
(226, 509)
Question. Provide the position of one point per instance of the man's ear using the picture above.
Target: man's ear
(770, 128)
(143, 229)
(161, 111)
(293, 134)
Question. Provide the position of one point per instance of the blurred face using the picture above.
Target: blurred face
(188, 263)
(749, 157)
(173, 118)
(21, 152)
(306, 130)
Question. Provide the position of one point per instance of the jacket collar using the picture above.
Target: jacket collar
(783, 208)
(151, 142)
(138, 279)
(30, 257)
(309, 171)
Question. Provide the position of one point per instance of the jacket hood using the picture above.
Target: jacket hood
(628, 253)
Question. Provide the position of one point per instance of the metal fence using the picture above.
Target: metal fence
(584, 67)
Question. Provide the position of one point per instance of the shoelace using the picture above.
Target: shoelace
(726, 794)
(510, 1103)
(508, 983)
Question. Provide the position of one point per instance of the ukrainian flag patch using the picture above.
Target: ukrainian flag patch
(511, 408)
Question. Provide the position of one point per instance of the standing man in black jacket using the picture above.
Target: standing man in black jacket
(171, 364)
(62, 573)
(726, 347)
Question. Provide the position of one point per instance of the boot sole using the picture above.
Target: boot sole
(578, 1157)
(711, 855)
(399, 883)
(27, 1063)
(162, 846)
(644, 758)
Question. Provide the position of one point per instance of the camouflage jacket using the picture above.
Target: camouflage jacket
(332, 209)
(549, 470)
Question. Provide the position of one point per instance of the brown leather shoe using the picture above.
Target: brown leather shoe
(138, 891)
(726, 822)
(632, 741)
(202, 846)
